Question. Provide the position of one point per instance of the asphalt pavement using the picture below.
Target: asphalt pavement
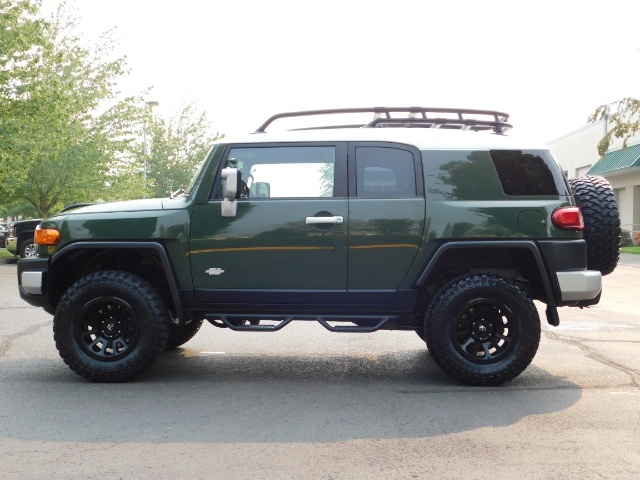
(306, 403)
(629, 259)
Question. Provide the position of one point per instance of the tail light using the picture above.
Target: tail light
(568, 218)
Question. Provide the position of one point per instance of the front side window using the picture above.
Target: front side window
(285, 172)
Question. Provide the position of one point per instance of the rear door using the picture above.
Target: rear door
(386, 218)
(287, 243)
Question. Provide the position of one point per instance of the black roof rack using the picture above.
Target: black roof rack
(453, 118)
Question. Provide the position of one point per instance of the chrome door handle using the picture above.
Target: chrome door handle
(324, 220)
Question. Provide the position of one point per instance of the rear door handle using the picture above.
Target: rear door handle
(324, 220)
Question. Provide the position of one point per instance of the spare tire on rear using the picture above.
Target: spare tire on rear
(602, 233)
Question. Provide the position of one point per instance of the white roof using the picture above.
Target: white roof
(421, 138)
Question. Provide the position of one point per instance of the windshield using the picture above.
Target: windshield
(195, 176)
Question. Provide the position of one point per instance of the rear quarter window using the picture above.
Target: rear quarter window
(461, 175)
(529, 172)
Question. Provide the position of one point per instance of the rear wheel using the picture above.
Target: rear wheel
(109, 326)
(482, 329)
(601, 222)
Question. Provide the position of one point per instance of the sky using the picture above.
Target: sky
(548, 64)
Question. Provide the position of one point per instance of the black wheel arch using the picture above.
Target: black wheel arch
(149, 260)
(520, 260)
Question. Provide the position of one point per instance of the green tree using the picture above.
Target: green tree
(21, 37)
(624, 120)
(177, 147)
(59, 148)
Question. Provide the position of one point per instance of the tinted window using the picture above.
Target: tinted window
(528, 172)
(384, 172)
(285, 172)
(461, 175)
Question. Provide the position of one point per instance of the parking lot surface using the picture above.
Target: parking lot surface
(307, 403)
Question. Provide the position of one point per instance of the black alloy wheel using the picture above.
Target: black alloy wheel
(106, 328)
(482, 329)
(485, 331)
(109, 326)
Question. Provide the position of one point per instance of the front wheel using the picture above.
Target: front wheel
(482, 329)
(181, 333)
(109, 326)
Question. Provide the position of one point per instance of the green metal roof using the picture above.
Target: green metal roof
(617, 160)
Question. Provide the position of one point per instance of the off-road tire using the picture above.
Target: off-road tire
(601, 221)
(181, 333)
(109, 326)
(482, 329)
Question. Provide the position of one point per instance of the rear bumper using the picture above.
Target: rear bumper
(566, 263)
(582, 285)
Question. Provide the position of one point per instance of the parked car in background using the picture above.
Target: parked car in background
(20, 240)
(4, 233)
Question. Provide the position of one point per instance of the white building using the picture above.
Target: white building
(577, 153)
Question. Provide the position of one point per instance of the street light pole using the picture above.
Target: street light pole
(147, 109)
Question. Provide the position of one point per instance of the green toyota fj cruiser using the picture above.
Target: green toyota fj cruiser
(423, 219)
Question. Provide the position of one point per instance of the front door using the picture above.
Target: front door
(287, 243)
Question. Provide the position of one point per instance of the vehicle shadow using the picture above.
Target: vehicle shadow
(219, 398)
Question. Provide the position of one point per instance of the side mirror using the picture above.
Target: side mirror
(231, 189)
(231, 183)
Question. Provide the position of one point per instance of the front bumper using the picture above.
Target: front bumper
(33, 282)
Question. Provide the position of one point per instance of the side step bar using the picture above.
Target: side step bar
(251, 323)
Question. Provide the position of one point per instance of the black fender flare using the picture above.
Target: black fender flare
(157, 247)
(550, 292)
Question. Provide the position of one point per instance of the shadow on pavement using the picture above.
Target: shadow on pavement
(220, 398)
